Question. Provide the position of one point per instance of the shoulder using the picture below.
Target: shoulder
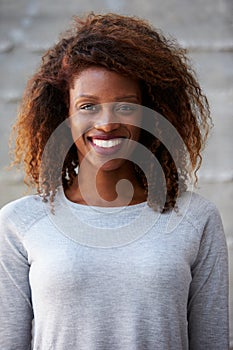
(196, 204)
(201, 213)
(23, 212)
(24, 205)
(194, 210)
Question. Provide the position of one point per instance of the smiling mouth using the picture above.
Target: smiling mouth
(107, 143)
(107, 146)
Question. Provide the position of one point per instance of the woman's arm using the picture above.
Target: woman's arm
(15, 302)
(208, 319)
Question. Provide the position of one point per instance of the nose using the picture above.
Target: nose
(107, 121)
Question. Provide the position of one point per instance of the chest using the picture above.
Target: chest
(154, 268)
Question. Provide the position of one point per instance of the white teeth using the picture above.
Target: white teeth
(107, 143)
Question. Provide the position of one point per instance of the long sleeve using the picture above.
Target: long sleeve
(132, 296)
(208, 298)
(15, 306)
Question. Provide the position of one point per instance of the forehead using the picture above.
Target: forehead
(93, 78)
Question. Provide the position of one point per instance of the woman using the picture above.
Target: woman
(113, 252)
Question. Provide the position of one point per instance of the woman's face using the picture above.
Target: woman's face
(104, 109)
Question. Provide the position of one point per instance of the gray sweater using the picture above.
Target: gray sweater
(123, 278)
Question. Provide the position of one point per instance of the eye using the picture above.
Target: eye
(89, 107)
(126, 108)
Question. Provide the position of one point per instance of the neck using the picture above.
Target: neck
(107, 188)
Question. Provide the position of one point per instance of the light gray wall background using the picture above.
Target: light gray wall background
(29, 27)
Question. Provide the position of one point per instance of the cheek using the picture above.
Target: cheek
(135, 126)
(78, 127)
(135, 132)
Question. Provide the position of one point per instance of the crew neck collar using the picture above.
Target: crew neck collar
(68, 222)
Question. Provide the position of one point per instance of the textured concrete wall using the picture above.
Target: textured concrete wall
(28, 27)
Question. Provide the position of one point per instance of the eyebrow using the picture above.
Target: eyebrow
(119, 98)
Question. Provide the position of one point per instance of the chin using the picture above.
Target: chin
(113, 165)
(117, 164)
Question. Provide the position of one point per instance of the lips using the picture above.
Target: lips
(106, 145)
